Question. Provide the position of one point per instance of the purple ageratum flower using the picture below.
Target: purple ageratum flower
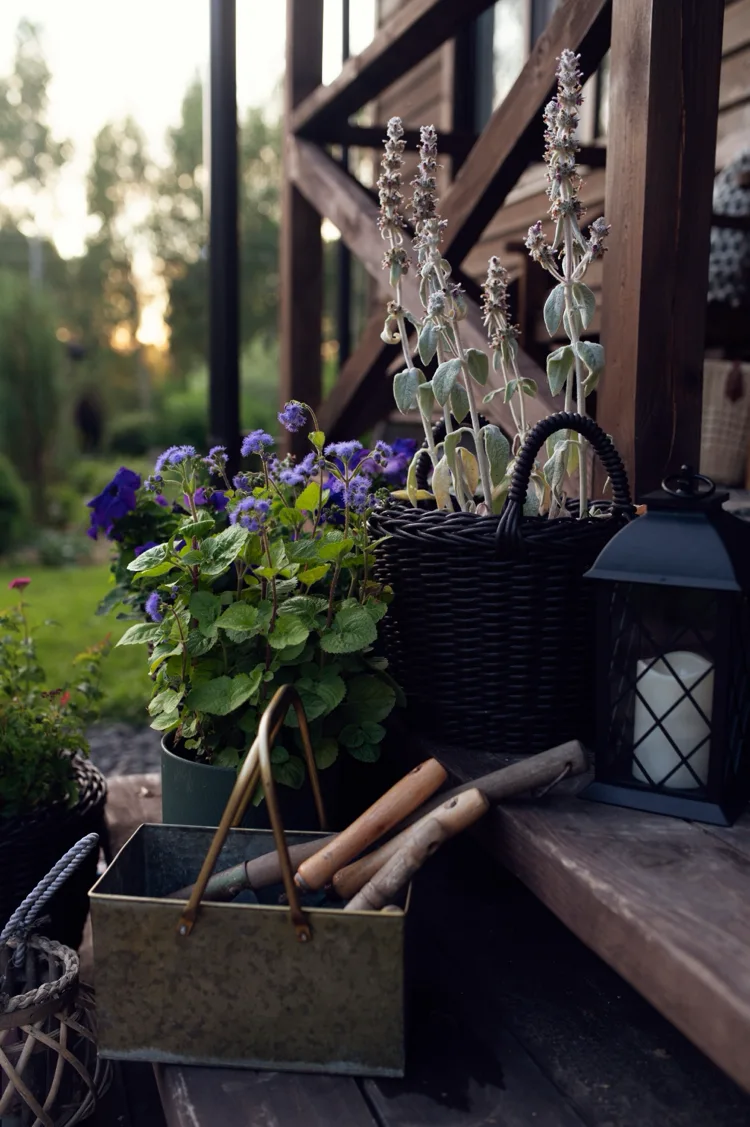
(343, 450)
(115, 501)
(357, 495)
(241, 481)
(250, 512)
(255, 442)
(174, 456)
(152, 607)
(217, 459)
(294, 416)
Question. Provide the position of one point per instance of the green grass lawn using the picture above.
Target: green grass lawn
(70, 597)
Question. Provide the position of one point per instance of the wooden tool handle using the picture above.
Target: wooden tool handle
(255, 874)
(527, 774)
(409, 793)
(380, 890)
(454, 815)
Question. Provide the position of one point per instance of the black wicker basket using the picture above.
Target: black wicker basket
(32, 843)
(490, 631)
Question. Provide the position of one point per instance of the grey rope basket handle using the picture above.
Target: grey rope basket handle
(508, 533)
(20, 923)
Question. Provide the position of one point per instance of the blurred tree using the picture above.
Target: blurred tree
(180, 231)
(30, 158)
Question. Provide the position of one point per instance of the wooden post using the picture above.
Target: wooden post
(224, 301)
(301, 246)
(664, 93)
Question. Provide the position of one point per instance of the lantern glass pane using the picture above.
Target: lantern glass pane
(661, 685)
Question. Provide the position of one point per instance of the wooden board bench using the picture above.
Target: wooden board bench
(665, 902)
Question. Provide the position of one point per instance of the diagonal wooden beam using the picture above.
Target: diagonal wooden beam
(363, 389)
(415, 30)
(513, 137)
(338, 196)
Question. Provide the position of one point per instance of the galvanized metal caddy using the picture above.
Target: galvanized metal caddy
(235, 984)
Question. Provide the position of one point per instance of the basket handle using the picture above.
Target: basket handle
(509, 526)
(257, 763)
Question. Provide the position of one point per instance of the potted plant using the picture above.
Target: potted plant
(266, 581)
(490, 628)
(50, 795)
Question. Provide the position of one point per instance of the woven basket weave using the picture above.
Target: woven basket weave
(30, 845)
(490, 631)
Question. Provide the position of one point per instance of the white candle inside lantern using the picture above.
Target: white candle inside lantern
(660, 689)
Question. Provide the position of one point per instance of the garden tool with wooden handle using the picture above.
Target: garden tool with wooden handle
(396, 804)
(379, 891)
(464, 805)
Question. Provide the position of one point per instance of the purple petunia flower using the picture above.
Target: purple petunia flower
(218, 500)
(217, 459)
(145, 547)
(161, 500)
(151, 607)
(294, 416)
(173, 457)
(344, 450)
(116, 500)
(255, 442)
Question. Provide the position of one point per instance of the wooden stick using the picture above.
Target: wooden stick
(380, 890)
(454, 815)
(397, 803)
(255, 874)
(527, 774)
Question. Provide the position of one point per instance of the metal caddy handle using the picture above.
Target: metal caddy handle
(257, 765)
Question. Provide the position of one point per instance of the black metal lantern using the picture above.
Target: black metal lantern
(673, 695)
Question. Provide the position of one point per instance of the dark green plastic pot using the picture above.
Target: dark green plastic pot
(195, 794)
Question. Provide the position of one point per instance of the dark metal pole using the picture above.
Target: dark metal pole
(343, 296)
(223, 260)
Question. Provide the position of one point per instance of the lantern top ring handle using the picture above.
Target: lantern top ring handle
(688, 483)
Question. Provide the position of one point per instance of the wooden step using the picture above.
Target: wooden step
(665, 902)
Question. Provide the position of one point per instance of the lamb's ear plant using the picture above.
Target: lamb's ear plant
(575, 367)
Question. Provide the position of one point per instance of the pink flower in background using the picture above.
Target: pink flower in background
(19, 584)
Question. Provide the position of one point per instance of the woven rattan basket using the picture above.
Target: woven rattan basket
(490, 631)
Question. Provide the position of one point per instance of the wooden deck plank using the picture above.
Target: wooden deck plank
(662, 901)
(207, 1097)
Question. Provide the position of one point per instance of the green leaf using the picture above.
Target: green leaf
(291, 773)
(459, 403)
(157, 569)
(405, 387)
(289, 630)
(165, 701)
(529, 387)
(374, 733)
(376, 609)
(165, 721)
(222, 695)
(279, 754)
(572, 323)
(445, 379)
(307, 606)
(199, 644)
(352, 629)
(198, 527)
(554, 307)
(219, 552)
(205, 609)
(592, 355)
(150, 558)
(309, 500)
(368, 697)
(351, 735)
(312, 574)
(141, 632)
(241, 619)
(585, 303)
(510, 390)
(326, 752)
(366, 753)
(302, 551)
(320, 695)
(559, 366)
(441, 485)
(425, 398)
(479, 365)
(335, 548)
(318, 438)
(228, 757)
(498, 451)
(428, 341)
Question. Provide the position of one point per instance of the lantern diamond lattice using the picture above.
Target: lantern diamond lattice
(673, 693)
